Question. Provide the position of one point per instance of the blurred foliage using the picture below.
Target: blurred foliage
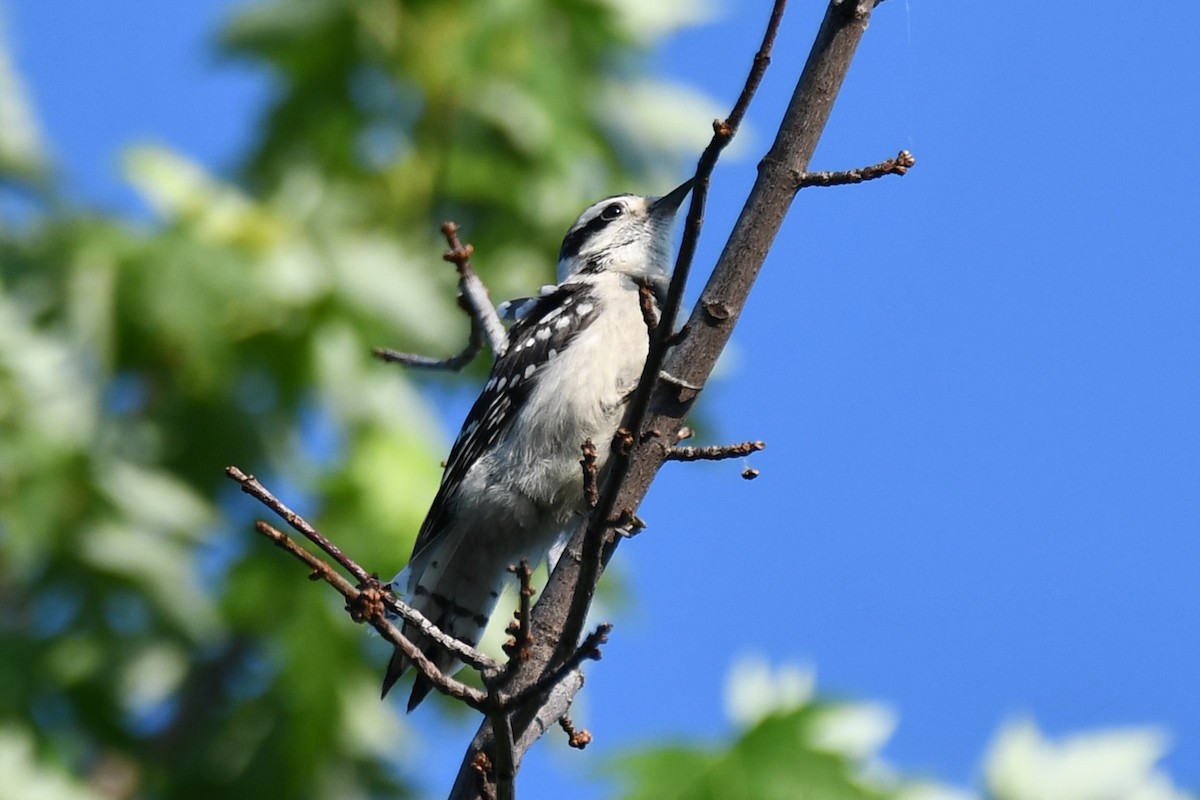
(777, 759)
(792, 746)
(150, 644)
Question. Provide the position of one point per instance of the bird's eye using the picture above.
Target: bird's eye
(611, 212)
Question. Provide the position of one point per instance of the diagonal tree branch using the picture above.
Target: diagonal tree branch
(661, 405)
(661, 339)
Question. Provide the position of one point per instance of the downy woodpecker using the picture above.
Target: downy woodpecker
(513, 486)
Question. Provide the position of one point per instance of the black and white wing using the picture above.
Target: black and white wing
(545, 330)
(518, 308)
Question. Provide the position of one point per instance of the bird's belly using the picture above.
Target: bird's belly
(543, 460)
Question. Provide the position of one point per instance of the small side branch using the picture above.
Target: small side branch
(563, 606)
(453, 363)
(475, 294)
(661, 341)
(588, 651)
(899, 165)
(592, 550)
(519, 647)
(504, 770)
(718, 452)
(474, 300)
(252, 487)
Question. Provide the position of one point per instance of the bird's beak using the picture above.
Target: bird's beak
(669, 203)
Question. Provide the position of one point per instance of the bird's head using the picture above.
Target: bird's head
(626, 233)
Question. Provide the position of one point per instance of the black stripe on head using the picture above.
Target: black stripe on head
(610, 209)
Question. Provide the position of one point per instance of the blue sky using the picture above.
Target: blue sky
(978, 384)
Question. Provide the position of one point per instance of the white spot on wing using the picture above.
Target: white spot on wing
(562, 323)
(584, 308)
(532, 368)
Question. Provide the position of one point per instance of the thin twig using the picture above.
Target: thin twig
(252, 487)
(588, 651)
(581, 578)
(899, 165)
(468, 655)
(716, 452)
(474, 293)
(556, 616)
(639, 404)
(453, 363)
(365, 605)
(592, 552)
(723, 133)
(519, 647)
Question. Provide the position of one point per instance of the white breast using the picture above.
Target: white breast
(581, 395)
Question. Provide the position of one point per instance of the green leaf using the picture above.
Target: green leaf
(780, 757)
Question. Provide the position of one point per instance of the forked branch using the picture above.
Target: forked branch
(473, 298)
(365, 604)
(367, 600)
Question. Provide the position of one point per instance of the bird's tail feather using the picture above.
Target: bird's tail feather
(458, 603)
